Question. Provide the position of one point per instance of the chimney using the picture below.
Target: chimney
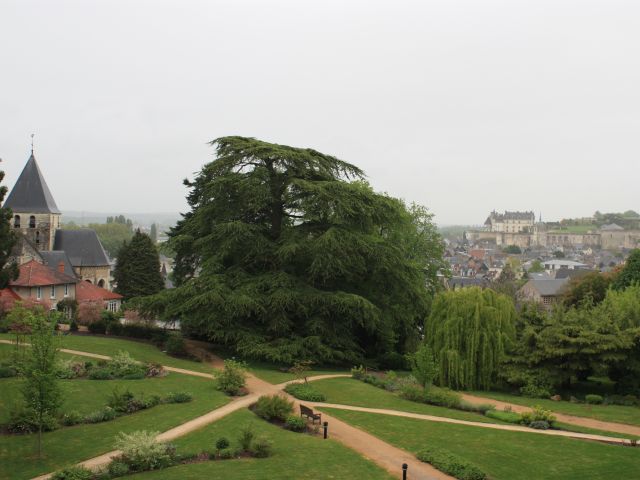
(61, 267)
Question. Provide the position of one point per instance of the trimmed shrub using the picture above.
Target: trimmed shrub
(73, 473)
(122, 365)
(274, 407)
(626, 400)
(222, 443)
(178, 397)
(305, 391)
(480, 408)
(414, 393)
(118, 469)
(231, 378)
(538, 414)
(442, 397)
(174, 345)
(100, 373)
(509, 417)
(23, 420)
(358, 372)
(227, 454)
(536, 389)
(98, 327)
(451, 464)
(72, 418)
(593, 399)
(261, 447)
(103, 415)
(295, 423)
(141, 451)
(540, 425)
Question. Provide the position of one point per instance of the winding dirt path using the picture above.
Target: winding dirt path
(623, 428)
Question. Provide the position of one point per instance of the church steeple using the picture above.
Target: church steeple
(31, 194)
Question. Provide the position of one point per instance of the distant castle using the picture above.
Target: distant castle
(76, 253)
(521, 229)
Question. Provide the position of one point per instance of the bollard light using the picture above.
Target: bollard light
(405, 467)
(326, 427)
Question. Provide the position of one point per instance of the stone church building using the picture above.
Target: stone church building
(36, 219)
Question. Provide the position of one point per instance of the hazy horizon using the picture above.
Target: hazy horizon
(463, 106)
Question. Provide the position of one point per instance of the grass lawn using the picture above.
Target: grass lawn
(504, 455)
(141, 351)
(606, 413)
(274, 374)
(70, 445)
(296, 456)
(348, 391)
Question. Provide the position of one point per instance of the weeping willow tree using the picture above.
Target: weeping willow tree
(288, 254)
(468, 331)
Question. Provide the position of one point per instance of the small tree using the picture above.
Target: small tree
(41, 390)
(423, 365)
(301, 369)
(137, 271)
(89, 312)
(536, 267)
(232, 377)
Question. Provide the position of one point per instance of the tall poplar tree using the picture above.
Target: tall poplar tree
(137, 271)
(288, 254)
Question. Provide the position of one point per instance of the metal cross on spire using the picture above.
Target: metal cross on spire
(32, 135)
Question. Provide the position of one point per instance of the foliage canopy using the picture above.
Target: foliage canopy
(288, 254)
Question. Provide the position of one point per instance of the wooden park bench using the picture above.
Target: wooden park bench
(307, 412)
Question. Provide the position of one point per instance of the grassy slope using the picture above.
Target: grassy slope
(607, 413)
(504, 455)
(273, 374)
(73, 444)
(296, 456)
(347, 391)
(353, 392)
(141, 351)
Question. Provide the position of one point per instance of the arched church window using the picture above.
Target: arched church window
(16, 221)
(32, 221)
(101, 283)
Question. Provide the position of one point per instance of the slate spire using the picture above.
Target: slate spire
(31, 194)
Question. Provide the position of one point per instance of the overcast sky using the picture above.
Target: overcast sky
(463, 106)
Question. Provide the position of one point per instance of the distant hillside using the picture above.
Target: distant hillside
(142, 219)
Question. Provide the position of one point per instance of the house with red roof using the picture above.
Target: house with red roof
(42, 284)
(88, 292)
(45, 285)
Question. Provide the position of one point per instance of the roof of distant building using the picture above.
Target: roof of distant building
(563, 263)
(54, 258)
(82, 247)
(571, 274)
(34, 274)
(501, 217)
(88, 292)
(463, 282)
(549, 287)
(612, 227)
(31, 194)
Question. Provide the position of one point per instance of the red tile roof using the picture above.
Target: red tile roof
(8, 294)
(34, 274)
(88, 292)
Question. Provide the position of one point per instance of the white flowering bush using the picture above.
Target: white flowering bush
(141, 451)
